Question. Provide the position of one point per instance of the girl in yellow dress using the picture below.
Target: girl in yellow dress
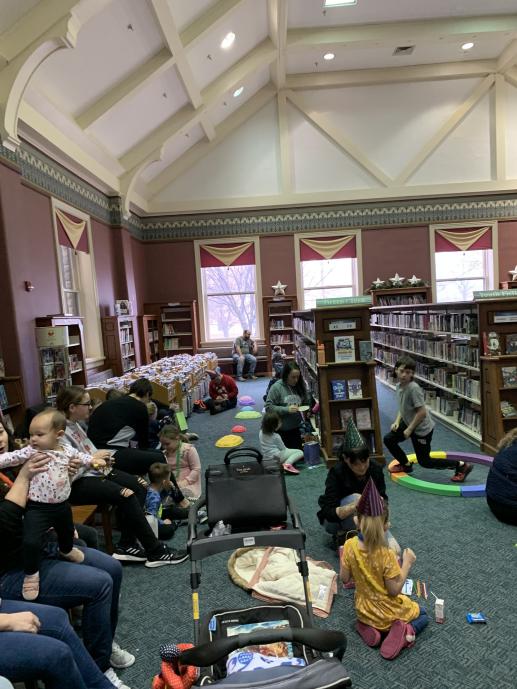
(382, 611)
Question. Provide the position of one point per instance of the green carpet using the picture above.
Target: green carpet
(463, 554)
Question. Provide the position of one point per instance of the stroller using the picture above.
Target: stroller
(220, 632)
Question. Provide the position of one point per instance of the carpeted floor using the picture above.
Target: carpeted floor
(463, 554)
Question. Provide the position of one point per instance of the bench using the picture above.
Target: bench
(227, 365)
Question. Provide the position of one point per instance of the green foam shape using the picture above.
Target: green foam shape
(427, 487)
(248, 415)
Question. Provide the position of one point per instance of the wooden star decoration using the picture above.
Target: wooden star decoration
(396, 280)
(513, 273)
(414, 281)
(378, 283)
(279, 289)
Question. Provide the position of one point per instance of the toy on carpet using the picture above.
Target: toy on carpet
(247, 408)
(248, 415)
(239, 429)
(174, 674)
(463, 491)
(246, 401)
(229, 441)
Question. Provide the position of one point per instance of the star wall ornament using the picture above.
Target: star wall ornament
(513, 273)
(378, 283)
(414, 281)
(396, 280)
(279, 289)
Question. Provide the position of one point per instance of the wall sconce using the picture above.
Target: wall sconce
(29, 287)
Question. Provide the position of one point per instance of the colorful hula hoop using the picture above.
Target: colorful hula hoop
(452, 490)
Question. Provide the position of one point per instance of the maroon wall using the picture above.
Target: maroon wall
(507, 245)
(277, 263)
(388, 251)
(108, 266)
(171, 271)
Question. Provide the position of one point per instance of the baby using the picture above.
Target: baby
(47, 504)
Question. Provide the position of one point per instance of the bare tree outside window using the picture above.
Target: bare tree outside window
(460, 273)
(336, 277)
(230, 300)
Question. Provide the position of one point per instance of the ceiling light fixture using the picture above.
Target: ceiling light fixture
(228, 40)
(238, 91)
(467, 46)
(329, 56)
(339, 3)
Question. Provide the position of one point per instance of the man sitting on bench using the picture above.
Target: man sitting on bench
(245, 350)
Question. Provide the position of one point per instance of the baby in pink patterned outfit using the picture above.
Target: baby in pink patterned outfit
(48, 504)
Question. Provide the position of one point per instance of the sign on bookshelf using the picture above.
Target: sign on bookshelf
(343, 301)
(494, 294)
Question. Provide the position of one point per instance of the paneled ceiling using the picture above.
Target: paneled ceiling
(127, 91)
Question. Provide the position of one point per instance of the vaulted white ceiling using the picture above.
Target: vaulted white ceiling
(133, 94)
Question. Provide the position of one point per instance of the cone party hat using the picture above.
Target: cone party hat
(370, 503)
(352, 439)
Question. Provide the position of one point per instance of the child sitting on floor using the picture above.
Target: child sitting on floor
(380, 607)
(47, 504)
(183, 460)
(160, 477)
(272, 446)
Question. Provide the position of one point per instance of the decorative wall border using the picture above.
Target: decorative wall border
(44, 173)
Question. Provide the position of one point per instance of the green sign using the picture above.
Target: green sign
(495, 294)
(343, 301)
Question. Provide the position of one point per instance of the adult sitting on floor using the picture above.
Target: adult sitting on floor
(117, 488)
(118, 422)
(223, 392)
(501, 483)
(345, 482)
(94, 584)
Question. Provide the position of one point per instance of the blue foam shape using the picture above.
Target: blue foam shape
(247, 408)
(476, 491)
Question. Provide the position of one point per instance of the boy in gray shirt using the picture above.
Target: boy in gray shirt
(413, 421)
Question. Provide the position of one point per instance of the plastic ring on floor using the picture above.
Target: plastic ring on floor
(451, 490)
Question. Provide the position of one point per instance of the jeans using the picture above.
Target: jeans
(95, 584)
(240, 360)
(421, 445)
(55, 654)
(421, 621)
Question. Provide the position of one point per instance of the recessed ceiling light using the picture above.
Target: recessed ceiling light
(339, 3)
(238, 91)
(329, 56)
(467, 46)
(228, 40)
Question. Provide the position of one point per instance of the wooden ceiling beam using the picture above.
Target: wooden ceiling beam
(277, 19)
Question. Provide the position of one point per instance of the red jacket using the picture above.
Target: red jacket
(226, 386)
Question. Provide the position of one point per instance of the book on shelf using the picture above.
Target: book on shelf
(355, 389)
(363, 418)
(7, 423)
(3, 398)
(345, 415)
(344, 348)
(338, 389)
(511, 343)
(365, 350)
(507, 409)
(509, 374)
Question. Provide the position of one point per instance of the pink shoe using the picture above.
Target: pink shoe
(370, 635)
(290, 468)
(396, 639)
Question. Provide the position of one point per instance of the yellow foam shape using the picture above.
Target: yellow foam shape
(435, 454)
(229, 441)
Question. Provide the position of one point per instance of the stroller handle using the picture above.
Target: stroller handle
(241, 453)
(318, 639)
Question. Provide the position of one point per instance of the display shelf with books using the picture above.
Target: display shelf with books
(401, 295)
(12, 403)
(61, 354)
(443, 340)
(150, 338)
(121, 343)
(178, 326)
(334, 352)
(278, 326)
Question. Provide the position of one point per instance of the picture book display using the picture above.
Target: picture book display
(507, 409)
(3, 398)
(355, 390)
(345, 415)
(511, 343)
(344, 348)
(365, 350)
(338, 389)
(509, 374)
(363, 418)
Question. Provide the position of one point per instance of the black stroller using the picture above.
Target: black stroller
(218, 634)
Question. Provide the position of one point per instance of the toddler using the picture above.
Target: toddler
(277, 361)
(272, 446)
(154, 425)
(385, 617)
(160, 477)
(47, 504)
(183, 460)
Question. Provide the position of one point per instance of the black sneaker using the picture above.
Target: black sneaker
(131, 553)
(167, 557)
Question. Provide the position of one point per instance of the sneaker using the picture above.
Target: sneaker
(111, 675)
(370, 635)
(241, 379)
(400, 468)
(120, 658)
(253, 377)
(395, 640)
(167, 557)
(462, 472)
(289, 468)
(192, 436)
(202, 516)
(131, 553)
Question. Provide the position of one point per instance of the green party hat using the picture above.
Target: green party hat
(352, 438)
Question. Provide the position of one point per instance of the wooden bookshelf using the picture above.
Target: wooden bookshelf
(179, 332)
(278, 326)
(120, 336)
(331, 328)
(12, 402)
(150, 338)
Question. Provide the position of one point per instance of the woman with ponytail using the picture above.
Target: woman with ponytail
(385, 616)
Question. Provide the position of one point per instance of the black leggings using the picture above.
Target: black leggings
(505, 513)
(292, 438)
(421, 445)
(133, 524)
(134, 461)
(38, 519)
